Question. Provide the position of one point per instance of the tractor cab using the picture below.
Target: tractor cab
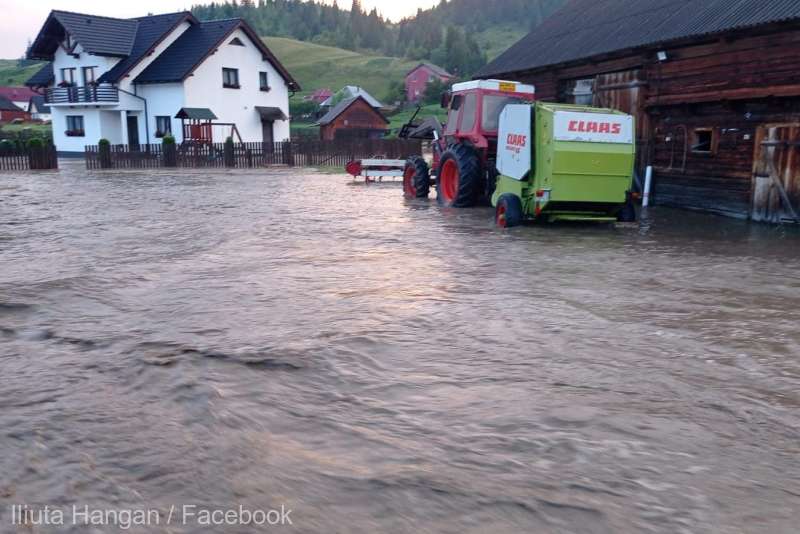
(475, 107)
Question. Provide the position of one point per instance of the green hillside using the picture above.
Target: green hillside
(316, 66)
(10, 74)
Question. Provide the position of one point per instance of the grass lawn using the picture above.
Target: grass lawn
(316, 66)
(10, 74)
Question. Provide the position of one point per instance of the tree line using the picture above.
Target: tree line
(444, 34)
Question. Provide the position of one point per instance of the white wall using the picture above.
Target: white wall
(111, 127)
(91, 126)
(204, 89)
(64, 60)
(162, 99)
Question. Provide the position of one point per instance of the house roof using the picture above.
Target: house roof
(43, 77)
(586, 28)
(8, 105)
(436, 69)
(352, 91)
(102, 36)
(150, 31)
(38, 102)
(195, 44)
(198, 114)
(343, 106)
(17, 94)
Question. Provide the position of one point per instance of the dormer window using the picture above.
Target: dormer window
(236, 42)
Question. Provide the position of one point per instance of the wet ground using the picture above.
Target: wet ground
(377, 365)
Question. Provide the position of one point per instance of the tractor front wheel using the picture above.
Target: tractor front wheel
(416, 178)
(459, 182)
(508, 212)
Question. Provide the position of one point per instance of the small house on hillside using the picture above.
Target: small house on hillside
(10, 111)
(320, 95)
(127, 80)
(713, 87)
(20, 96)
(349, 92)
(353, 118)
(39, 109)
(419, 77)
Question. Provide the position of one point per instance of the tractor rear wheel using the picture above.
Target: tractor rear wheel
(628, 212)
(416, 178)
(508, 212)
(459, 182)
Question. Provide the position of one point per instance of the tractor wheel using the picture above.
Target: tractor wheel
(416, 178)
(459, 182)
(508, 212)
(628, 212)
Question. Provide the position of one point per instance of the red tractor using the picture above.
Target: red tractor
(465, 149)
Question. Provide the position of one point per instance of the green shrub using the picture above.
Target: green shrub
(104, 143)
(168, 139)
(35, 142)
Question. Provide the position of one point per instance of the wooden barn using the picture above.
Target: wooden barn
(353, 118)
(714, 86)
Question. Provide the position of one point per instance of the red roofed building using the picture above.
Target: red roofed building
(320, 95)
(20, 96)
(419, 77)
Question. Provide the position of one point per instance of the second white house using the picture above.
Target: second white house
(133, 81)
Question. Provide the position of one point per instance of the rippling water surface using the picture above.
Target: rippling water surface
(387, 366)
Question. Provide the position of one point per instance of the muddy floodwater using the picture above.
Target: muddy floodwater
(286, 338)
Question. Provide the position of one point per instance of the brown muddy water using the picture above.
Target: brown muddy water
(377, 365)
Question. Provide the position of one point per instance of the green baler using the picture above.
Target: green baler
(559, 162)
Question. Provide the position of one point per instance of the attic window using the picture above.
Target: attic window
(236, 42)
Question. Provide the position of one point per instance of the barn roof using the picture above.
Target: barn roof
(436, 69)
(353, 91)
(343, 106)
(585, 28)
(7, 105)
(17, 94)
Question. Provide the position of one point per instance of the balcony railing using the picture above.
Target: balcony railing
(89, 94)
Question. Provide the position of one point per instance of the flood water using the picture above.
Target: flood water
(379, 365)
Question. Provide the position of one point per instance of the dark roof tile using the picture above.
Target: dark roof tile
(8, 105)
(43, 77)
(150, 31)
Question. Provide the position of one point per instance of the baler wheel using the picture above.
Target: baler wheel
(459, 182)
(508, 212)
(416, 178)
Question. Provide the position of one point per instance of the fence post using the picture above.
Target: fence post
(228, 153)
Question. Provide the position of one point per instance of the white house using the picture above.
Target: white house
(39, 109)
(132, 81)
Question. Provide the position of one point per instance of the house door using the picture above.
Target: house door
(776, 174)
(133, 131)
(266, 131)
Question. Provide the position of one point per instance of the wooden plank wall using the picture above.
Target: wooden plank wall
(731, 85)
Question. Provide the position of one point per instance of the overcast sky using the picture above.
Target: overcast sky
(22, 19)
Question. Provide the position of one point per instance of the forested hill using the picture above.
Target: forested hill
(460, 35)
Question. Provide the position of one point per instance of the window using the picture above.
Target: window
(703, 141)
(163, 125)
(263, 81)
(67, 77)
(452, 116)
(74, 126)
(88, 75)
(469, 115)
(236, 42)
(230, 78)
(493, 105)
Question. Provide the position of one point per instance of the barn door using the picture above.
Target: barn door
(776, 174)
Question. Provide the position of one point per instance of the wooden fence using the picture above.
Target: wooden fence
(301, 153)
(23, 159)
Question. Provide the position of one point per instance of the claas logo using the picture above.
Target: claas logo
(517, 139)
(595, 127)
